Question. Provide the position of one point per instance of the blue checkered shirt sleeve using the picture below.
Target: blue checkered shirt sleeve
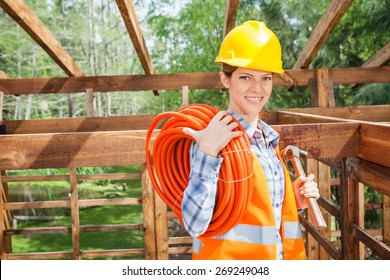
(199, 196)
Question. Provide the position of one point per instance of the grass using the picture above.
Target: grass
(99, 215)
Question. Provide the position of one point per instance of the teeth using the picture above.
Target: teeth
(254, 98)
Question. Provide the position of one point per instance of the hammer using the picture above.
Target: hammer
(294, 154)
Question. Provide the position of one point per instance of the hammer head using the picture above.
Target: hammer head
(293, 151)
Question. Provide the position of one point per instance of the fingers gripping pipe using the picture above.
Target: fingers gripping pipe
(170, 167)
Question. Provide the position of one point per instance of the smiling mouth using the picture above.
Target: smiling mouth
(254, 99)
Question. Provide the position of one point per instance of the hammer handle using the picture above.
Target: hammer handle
(315, 211)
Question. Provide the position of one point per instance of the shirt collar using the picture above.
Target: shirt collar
(271, 136)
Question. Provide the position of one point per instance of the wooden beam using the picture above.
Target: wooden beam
(374, 144)
(305, 136)
(372, 113)
(129, 16)
(325, 26)
(177, 81)
(371, 174)
(382, 57)
(134, 122)
(124, 148)
(230, 16)
(27, 19)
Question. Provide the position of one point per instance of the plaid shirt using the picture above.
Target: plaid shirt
(199, 196)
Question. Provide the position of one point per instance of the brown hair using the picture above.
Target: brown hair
(228, 69)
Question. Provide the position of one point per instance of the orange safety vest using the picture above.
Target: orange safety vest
(254, 237)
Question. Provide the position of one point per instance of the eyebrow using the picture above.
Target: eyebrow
(245, 73)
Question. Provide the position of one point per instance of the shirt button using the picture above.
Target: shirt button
(277, 204)
(275, 173)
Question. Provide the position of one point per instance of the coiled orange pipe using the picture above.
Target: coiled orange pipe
(171, 160)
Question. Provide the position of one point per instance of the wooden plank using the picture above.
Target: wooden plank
(74, 209)
(315, 139)
(322, 78)
(382, 57)
(127, 148)
(136, 122)
(374, 144)
(55, 178)
(129, 17)
(176, 81)
(112, 253)
(180, 250)
(67, 204)
(230, 16)
(320, 34)
(379, 248)
(376, 113)
(374, 175)
(148, 210)
(40, 256)
(57, 230)
(180, 240)
(27, 19)
(83, 254)
(326, 244)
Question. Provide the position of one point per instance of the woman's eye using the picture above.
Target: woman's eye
(245, 77)
(267, 78)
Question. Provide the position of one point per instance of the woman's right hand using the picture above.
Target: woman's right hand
(216, 135)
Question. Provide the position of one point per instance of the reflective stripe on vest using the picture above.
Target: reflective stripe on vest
(292, 230)
(264, 235)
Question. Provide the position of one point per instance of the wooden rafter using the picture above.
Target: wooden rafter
(230, 15)
(382, 57)
(176, 81)
(327, 23)
(27, 19)
(129, 16)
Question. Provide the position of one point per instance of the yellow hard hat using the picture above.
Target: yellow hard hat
(252, 45)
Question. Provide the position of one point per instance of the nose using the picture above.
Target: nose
(257, 87)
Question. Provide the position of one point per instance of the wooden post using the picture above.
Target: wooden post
(386, 219)
(348, 213)
(89, 102)
(320, 93)
(148, 215)
(312, 244)
(74, 208)
(6, 214)
(2, 222)
(161, 228)
(185, 95)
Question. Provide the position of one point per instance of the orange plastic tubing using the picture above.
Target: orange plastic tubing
(170, 167)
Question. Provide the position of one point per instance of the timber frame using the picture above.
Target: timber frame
(353, 141)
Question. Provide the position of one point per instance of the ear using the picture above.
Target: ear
(225, 80)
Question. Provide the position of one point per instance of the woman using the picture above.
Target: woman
(270, 229)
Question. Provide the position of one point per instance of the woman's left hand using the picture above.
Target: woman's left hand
(305, 187)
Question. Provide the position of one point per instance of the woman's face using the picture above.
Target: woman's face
(249, 90)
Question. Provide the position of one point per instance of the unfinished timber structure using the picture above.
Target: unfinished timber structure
(352, 142)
